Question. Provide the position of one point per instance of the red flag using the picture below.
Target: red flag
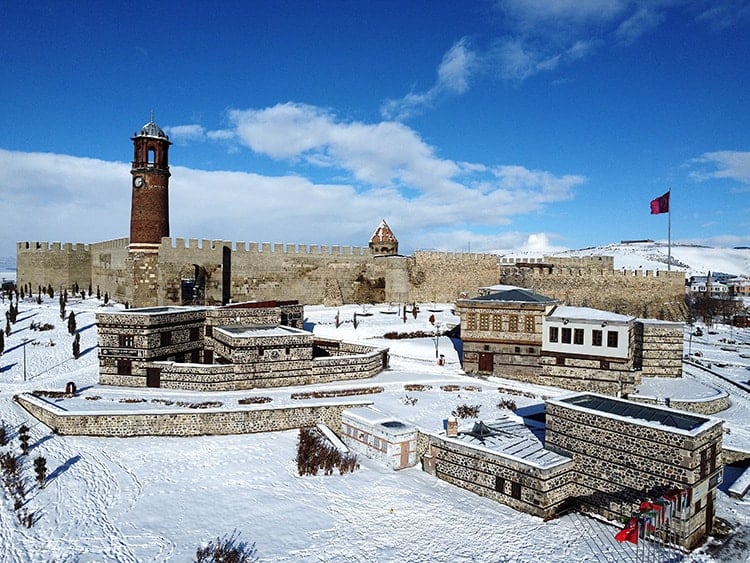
(660, 204)
(629, 532)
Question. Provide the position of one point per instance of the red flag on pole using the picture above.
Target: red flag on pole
(660, 204)
(629, 532)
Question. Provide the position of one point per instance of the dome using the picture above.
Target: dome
(151, 129)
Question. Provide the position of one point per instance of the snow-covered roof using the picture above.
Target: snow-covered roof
(383, 234)
(662, 418)
(509, 438)
(515, 295)
(587, 314)
(241, 331)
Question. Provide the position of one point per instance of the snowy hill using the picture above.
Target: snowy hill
(651, 255)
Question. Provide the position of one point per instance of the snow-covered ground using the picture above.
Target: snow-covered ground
(158, 499)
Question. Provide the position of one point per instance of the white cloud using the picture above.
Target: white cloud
(732, 165)
(458, 66)
(388, 171)
(185, 133)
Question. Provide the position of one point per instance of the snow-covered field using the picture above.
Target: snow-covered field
(158, 499)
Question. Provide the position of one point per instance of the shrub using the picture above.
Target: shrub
(314, 453)
(466, 411)
(227, 550)
(417, 387)
(254, 400)
(407, 400)
(509, 404)
(40, 468)
(450, 388)
(337, 393)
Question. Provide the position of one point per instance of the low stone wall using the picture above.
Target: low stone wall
(181, 423)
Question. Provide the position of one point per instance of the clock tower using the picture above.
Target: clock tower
(149, 210)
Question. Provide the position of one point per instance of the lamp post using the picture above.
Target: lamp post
(25, 341)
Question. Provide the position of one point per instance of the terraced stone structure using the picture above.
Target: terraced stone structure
(241, 346)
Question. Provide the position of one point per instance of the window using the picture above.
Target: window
(528, 324)
(124, 367)
(578, 336)
(499, 484)
(484, 321)
(515, 490)
(513, 323)
(566, 332)
(195, 334)
(497, 323)
(209, 330)
(531, 350)
(611, 339)
(517, 349)
(126, 341)
(166, 338)
(471, 321)
(553, 333)
(596, 337)
(704, 463)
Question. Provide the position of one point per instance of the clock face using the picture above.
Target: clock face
(138, 181)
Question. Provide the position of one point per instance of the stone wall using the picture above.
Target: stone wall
(543, 491)
(181, 423)
(640, 293)
(338, 274)
(447, 276)
(661, 354)
(708, 406)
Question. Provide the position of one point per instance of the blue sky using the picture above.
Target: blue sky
(515, 124)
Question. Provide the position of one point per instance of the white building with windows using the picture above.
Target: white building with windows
(518, 334)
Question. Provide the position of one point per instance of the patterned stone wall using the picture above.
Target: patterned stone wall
(542, 490)
(181, 423)
(661, 355)
(56, 264)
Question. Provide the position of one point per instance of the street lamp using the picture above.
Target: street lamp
(25, 341)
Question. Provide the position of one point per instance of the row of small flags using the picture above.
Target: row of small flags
(654, 515)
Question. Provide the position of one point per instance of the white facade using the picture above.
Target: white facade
(380, 437)
(588, 332)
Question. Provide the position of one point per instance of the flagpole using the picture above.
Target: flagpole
(669, 233)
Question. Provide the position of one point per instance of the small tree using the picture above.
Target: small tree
(106, 297)
(62, 308)
(98, 293)
(2, 343)
(228, 549)
(77, 346)
(50, 291)
(23, 437)
(40, 468)
(72, 323)
(7, 326)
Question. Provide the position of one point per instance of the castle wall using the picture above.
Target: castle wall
(640, 293)
(335, 275)
(56, 264)
(448, 276)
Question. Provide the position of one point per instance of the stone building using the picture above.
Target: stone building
(593, 453)
(224, 348)
(379, 436)
(150, 269)
(518, 334)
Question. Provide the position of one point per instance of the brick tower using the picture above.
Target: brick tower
(149, 211)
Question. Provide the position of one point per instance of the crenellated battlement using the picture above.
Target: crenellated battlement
(44, 246)
(240, 247)
(462, 256)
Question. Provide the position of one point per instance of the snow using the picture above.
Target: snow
(158, 499)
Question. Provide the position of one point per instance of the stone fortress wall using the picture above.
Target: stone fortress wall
(593, 282)
(336, 275)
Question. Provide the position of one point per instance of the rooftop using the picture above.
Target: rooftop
(587, 314)
(515, 295)
(508, 437)
(246, 331)
(636, 411)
